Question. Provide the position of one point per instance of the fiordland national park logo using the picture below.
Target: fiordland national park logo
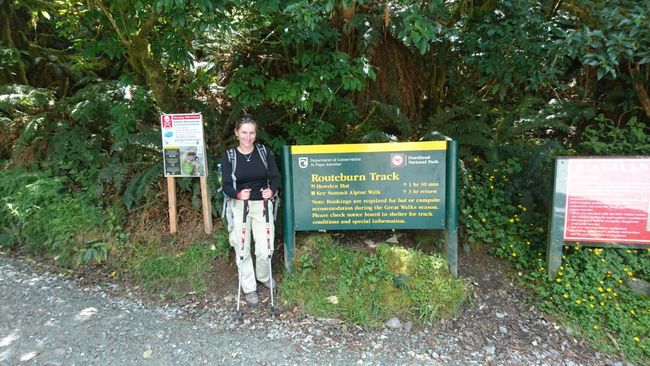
(396, 159)
(303, 162)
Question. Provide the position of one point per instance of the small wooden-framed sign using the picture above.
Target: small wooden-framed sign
(184, 155)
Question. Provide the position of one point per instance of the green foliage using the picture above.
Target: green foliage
(513, 48)
(384, 120)
(8, 57)
(609, 139)
(591, 293)
(71, 137)
(618, 35)
(417, 30)
(319, 83)
(16, 100)
(94, 251)
(308, 83)
(529, 129)
(17, 104)
(43, 217)
(497, 207)
(310, 132)
(141, 183)
(368, 288)
(221, 246)
(175, 22)
(507, 176)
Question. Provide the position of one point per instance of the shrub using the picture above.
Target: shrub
(590, 291)
(494, 212)
(368, 288)
(607, 138)
(43, 217)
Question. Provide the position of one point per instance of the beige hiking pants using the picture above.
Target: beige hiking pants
(255, 224)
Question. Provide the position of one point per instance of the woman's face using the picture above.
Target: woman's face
(246, 134)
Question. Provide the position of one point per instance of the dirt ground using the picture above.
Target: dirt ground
(500, 323)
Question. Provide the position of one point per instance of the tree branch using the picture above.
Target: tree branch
(554, 8)
(147, 26)
(107, 13)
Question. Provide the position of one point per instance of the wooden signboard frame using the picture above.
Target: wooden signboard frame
(184, 155)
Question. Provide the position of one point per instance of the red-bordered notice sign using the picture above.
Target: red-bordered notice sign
(608, 200)
(183, 146)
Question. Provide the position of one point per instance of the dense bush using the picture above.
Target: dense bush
(591, 290)
(39, 215)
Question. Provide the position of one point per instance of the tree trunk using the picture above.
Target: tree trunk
(151, 69)
(438, 78)
(15, 73)
(144, 63)
(639, 87)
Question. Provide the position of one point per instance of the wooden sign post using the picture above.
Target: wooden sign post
(171, 198)
(206, 206)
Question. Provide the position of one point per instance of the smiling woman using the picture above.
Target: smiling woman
(251, 180)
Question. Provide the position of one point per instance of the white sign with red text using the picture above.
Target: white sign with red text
(183, 145)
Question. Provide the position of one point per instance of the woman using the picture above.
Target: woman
(254, 181)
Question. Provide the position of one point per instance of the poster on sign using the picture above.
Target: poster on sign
(183, 145)
(599, 202)
(607, 200)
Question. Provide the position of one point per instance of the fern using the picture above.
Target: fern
(22, 99)
(141, 183)
(184, 184)
(196, 193)
(32, 130)
(147, 141)
(385, 122)
(114, 172)
(469, 124)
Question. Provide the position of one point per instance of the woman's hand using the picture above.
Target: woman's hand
(267, 193)
(244, 194)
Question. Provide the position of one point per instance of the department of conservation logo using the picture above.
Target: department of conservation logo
(303, 162)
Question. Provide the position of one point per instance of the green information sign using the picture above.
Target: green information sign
(369, 186)
(409, 185)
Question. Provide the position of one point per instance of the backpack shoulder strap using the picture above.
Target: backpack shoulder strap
(262, 150)
(232, 157)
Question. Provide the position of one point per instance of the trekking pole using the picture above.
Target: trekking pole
(268, 247)
(241, 258)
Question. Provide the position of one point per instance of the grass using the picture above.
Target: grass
(172, 273)
(172, 265)
(367, 288)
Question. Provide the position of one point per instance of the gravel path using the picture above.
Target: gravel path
(50, 319)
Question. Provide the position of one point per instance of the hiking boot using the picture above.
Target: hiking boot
(267, 284)
(251, 299)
